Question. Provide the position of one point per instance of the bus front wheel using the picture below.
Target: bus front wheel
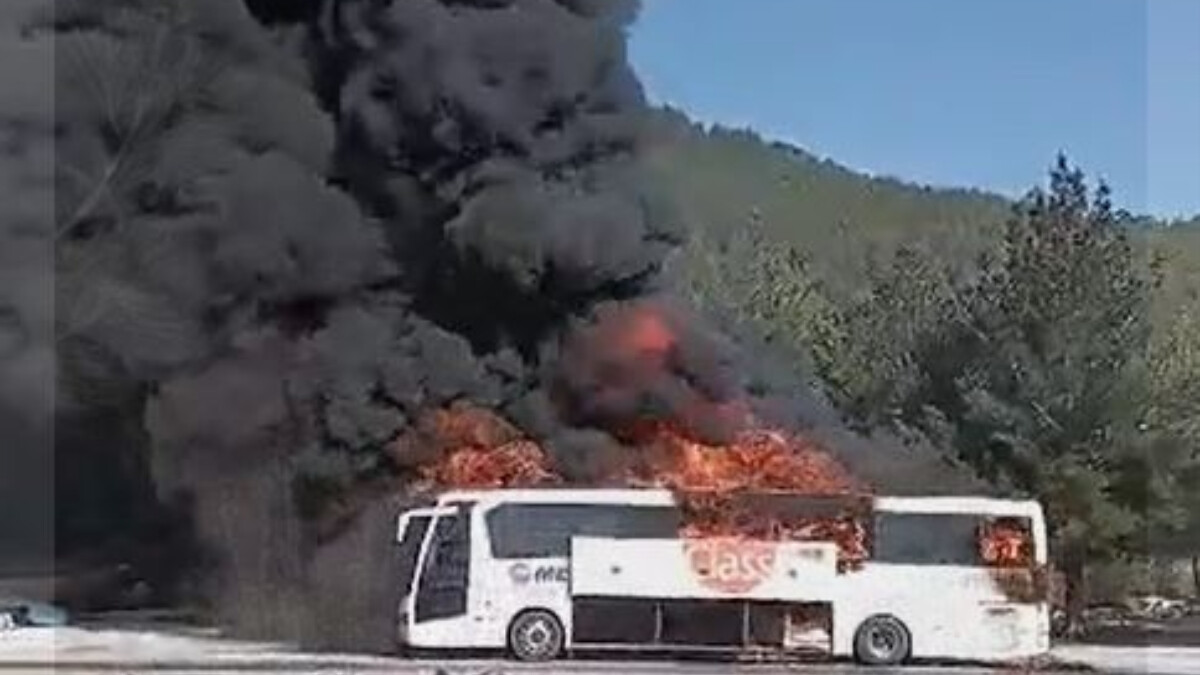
(536, 635)
(882, 641)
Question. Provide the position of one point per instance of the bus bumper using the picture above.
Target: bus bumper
(402, 635)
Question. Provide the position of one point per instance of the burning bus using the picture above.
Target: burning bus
(543, 572)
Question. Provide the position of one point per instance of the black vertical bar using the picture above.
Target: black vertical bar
(745, 624)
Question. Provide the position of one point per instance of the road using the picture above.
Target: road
(92, 652)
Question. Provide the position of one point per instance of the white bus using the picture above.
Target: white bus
(545, 572)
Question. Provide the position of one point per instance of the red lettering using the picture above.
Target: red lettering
(730, 566)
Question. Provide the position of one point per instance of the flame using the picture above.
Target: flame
(711, 479)
(647, 332)
(1006, 543)
(477, 450)
(755, 460)
(518, 464)
(631, 345)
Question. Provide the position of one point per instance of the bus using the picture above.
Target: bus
(544, 573)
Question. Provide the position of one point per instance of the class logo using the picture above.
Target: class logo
(730, 566)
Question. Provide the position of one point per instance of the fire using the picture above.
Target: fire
(517, 464)
(647, 332)
(754, 461)
(711, 480)
(629, 351)
(477, 449)
(1006, 543)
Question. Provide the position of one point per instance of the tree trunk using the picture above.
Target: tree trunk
(1076, 594)
(1196, 575)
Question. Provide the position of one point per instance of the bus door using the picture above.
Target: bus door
(444, 580)
(410, 535)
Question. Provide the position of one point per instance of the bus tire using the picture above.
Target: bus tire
(882, 640)
(536, 635)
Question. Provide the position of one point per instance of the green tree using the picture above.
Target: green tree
(1062, 318)
(765, 283)
(1174, 392)
(901, 342)
(1034, 369)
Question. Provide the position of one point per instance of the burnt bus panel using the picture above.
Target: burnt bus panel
(445, 576)
(614, 622)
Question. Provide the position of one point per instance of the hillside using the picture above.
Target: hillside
(721, 178)
(1179, 248)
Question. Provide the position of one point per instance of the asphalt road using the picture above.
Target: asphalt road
(94, 652)
(478, 668)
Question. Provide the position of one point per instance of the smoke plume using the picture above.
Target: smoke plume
(280, 248)
(26, 283)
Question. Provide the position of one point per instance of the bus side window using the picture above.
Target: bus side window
(1007, 541)
(926, 539)
(545, 530)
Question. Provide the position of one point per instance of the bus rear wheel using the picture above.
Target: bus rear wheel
(536, 635)
(882, 641)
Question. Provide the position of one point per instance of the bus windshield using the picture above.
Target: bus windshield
(410, 547)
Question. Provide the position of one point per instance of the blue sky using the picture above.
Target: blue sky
(977, 93)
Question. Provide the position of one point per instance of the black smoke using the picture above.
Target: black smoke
(282, 236)
(499, 141)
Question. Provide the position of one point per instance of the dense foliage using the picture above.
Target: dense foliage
(1054, 349)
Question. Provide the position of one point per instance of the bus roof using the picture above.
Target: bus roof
(633, 497)
(662, 497)
(966, 504)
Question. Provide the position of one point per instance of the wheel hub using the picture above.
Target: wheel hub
(883, 640)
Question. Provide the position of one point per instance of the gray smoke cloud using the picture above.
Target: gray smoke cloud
(26, 288)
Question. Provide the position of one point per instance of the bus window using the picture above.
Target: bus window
(445, 575)
(545, 530)
(1007, 542)
(926, 539)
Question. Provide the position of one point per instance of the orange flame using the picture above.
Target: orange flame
(756, 460)
(1007, 543)
(709, 479)
(478, 449)
(647, 333)
(518, 464)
